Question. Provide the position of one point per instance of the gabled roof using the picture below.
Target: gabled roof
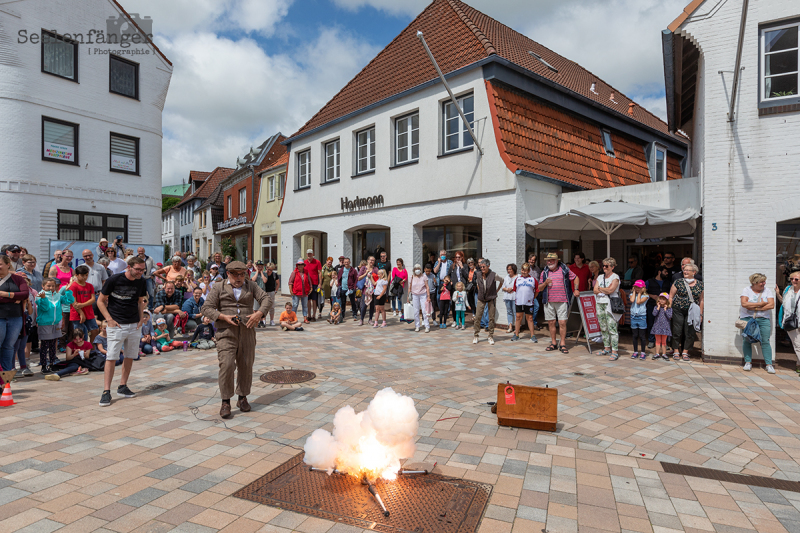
(281, 161)
(214, 178)
(459, 36)
(538, 139)
(197, 175)
(142, 32)
(687, 12)
(176, 191)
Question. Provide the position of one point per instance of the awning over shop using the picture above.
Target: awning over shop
(621, 219)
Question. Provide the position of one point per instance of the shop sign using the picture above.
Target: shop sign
(231, 222)
(358, 204)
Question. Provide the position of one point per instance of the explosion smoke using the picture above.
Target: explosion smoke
(368, 444)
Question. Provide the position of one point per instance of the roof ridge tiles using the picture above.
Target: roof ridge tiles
(487, 44)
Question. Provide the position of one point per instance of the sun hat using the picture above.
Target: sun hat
(639, 283)
(551, 255)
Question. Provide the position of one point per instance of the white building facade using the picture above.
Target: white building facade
(81, 127)
(169, 229)
(402, 173)
(748, 166)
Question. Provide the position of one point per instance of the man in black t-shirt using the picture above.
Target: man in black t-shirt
(122, 302)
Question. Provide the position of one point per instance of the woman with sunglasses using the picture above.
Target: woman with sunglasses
(607, 286)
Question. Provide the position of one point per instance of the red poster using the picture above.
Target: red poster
(589, 314)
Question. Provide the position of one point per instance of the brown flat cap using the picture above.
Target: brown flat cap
(236, 265)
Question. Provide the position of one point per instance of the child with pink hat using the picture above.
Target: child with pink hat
(639, 299)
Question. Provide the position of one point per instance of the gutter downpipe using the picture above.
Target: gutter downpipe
(253, 210)
(737, 68)
(446, 86)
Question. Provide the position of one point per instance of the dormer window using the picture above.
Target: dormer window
(660, 156)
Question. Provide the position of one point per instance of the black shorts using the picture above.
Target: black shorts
(527, 309)
(381, 300)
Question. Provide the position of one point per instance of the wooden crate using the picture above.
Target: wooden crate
(535, 407)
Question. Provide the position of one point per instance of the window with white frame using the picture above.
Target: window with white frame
(607, 144)
(269, 248)
(281, 186)
(456, 134)
(332, 160)
(242, 200)
(780, 69)
(660, 155)
(406, 140)
(365, 151)
(304, 169)
(271, 188)
(230, 206)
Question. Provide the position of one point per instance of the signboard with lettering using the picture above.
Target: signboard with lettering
(359, 204)
(119, 162)
(59, 151)
(587, 305)
(231, 222)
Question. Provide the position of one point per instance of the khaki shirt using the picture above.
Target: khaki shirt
(221, 300)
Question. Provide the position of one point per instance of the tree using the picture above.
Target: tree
(168, 202)
(228, 247)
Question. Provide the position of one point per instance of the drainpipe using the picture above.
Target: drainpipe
(738, 66)
(252, 210)
(452, 97)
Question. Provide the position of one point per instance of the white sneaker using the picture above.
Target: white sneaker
(271, 322)
(416, 328)
(427, 330)
(770, 369)
(747, 367)
(491, 340)
(475, 340)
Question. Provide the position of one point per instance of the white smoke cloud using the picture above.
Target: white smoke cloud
(369, 443)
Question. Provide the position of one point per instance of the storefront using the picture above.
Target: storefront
(371, 242)
(465, 238)
(235, 238)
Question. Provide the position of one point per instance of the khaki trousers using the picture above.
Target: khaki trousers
(476, 326)
(236, 351)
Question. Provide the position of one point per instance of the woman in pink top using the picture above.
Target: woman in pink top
(400, 273)
(419, 295)
(63, 270)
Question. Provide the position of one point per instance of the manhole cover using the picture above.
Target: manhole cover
(424, 503)
(284, 377)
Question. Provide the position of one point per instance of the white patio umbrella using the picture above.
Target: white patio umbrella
(622, 219)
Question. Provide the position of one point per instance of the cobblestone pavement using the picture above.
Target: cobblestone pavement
(150, 464)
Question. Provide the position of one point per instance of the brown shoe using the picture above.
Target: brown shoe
(225, 410)
(243, 405)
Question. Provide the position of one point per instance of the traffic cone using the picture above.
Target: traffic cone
(6, 400)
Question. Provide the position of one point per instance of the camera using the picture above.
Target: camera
(236, 320)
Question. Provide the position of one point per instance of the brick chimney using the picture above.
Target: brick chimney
(630, 108)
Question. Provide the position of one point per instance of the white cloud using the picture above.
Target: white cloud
(410, 8)
(227, 95)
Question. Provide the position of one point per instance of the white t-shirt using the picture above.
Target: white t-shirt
(508, 283)
(605, 283)
(97, 275)
(117, 265)
(765, 295)
(379, 287)
(526, 290)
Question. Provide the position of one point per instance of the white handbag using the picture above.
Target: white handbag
(408, 311)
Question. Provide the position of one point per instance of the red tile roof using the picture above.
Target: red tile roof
(537, 138)
(214, 178)
(282, 160)
(196, 175)
(687, 12)
(459, 35)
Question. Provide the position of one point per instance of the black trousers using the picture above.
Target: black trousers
(343, 297)
(444, 307)
(364, 307)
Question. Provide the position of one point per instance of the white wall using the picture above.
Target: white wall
(30, 185)
(431, 179)
(749, 167)
(673, 194)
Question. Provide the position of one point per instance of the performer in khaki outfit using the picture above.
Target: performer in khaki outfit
(227, 304)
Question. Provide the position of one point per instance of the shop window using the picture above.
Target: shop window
(269, 248)
(332, 161)
(453, 238)
(365, 151)
(304, 169)
(456, 134)
(77, 226)
(407, 139)
(780, 70)
(123, 77)
(59, 141)
(124, 154)
(59, 56)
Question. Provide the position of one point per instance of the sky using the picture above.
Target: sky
(246, 69)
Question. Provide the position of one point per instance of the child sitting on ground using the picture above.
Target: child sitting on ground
(77, 351)
(147, 344)
(662, 325)
(204, 332)
(289, 319)
(336, 314)
(165, 343)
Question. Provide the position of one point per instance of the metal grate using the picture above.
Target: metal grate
(288, 377)
(417, 504)
(740, 479)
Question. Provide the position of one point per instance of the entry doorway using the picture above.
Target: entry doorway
(371, 242)
(651, 253)
(787, 260)
(465, 238)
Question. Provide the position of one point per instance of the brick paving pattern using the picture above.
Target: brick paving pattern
(150, 464)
